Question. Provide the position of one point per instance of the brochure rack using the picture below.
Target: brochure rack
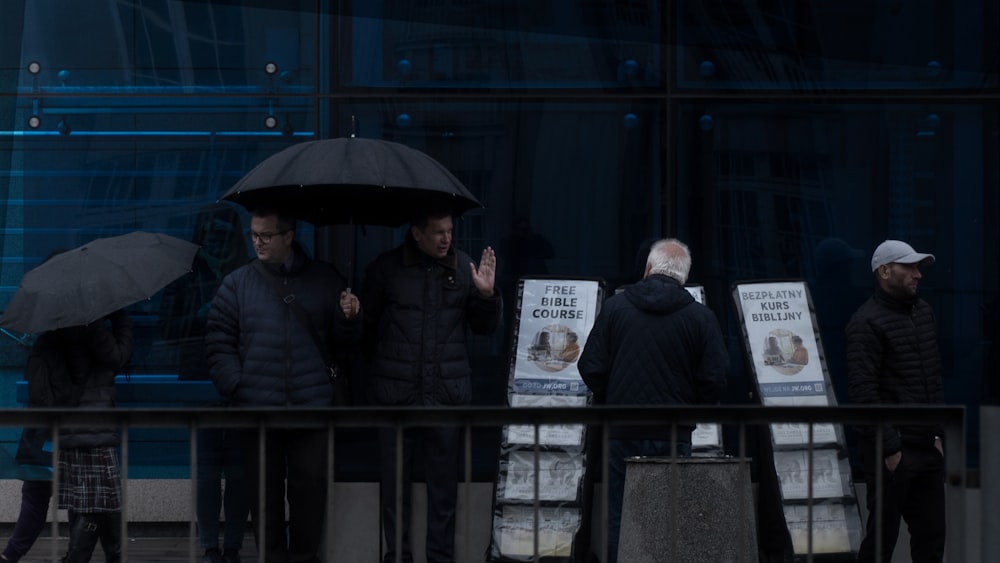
(783, 347)
(552, 320)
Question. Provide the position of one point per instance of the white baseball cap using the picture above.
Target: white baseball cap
(898, 251)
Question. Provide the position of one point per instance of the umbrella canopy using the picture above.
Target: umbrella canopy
(82, 285)
(351, 181)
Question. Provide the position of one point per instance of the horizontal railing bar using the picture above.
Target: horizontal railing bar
(354, 417)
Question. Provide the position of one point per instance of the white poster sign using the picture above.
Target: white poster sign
(781, 340)
(556, 317)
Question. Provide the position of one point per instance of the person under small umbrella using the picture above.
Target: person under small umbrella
(90, 485)
(89, 356)
(75, 300)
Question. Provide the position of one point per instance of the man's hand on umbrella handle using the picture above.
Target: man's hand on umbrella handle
(485, 275)
(349, 304)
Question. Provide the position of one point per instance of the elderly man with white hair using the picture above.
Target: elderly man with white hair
(652, 344)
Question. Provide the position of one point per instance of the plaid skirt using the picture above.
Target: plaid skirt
(90, 480)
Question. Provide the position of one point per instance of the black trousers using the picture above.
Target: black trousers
(439, 449)
(299, 454)
(914, 492)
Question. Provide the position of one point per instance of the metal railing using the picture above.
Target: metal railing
(738, 419)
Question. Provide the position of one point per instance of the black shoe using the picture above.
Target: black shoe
(212, 556)
(231, 556)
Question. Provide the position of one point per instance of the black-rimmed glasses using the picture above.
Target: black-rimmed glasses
(264, 238)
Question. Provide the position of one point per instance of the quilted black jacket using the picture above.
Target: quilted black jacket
(417, 314)
(259, 352)
(893, 358)
(653, 344)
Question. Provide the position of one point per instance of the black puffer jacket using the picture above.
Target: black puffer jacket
(95, 353)
(259, 353)
(653, 344)
(893, 359)
(417, 313)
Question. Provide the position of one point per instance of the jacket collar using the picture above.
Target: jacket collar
(413, 256)
(904, 304)
(298, 262)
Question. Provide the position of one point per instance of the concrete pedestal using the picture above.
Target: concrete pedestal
(687, 509)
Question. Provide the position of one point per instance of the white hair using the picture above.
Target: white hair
(670, 257)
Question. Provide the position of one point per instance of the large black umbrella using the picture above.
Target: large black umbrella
(351, 181)
(80, 286)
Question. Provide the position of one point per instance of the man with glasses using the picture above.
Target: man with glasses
(262, 352)
(893, 358)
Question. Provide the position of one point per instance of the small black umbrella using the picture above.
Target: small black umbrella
(351, 180)
(80, 286)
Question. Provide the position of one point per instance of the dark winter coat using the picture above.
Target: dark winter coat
(95, 354)
(259, 353)
(653, 344)
(418, 311)
(893, 359)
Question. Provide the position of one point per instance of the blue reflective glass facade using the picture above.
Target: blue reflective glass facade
(780, 139)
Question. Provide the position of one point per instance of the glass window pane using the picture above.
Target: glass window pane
(111, 46)
(485, 44)
(856, 44)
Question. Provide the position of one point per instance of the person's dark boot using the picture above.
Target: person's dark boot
(84, 531)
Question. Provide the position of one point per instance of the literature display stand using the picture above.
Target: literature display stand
(784, 350)
(552, 320)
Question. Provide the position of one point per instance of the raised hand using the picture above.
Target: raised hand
(485, 275)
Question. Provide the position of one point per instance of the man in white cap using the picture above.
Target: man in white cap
(893, 358)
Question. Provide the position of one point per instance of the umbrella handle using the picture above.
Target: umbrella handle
(351, 250)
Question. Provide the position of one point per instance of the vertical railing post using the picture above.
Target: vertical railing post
(537, 501)
(605, 474)
(879, 483)
(331, 482)
(193, 509)
(54, 500)
(989, 466)
(467, 488)
(398, 529)
(954, 471)
(745, 478)
(261, 520)
(124, 499)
